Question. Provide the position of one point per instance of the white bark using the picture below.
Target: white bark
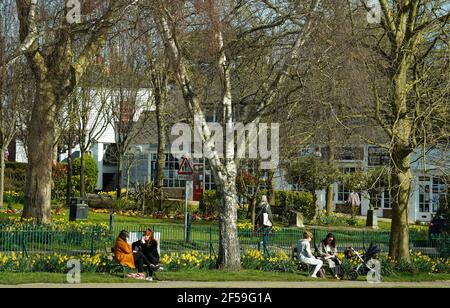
(224, 172)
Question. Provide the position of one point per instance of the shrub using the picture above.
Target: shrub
(209, 203)
(15, 176)
(59, 187)
(125, 204)
(91, 173)
(337, 219)
(12, 197)
(296, 200)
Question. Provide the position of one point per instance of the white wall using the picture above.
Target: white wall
(21, 155)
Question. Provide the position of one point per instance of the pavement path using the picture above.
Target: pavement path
(246, 284)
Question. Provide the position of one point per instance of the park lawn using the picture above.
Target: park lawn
(118, 219)
(198, 275)
(32, 278)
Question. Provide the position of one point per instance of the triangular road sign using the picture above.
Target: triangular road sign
(186, 167)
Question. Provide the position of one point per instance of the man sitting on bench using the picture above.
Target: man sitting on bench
(304, 254)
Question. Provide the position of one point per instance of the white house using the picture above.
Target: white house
(100, 126)
(428, 185)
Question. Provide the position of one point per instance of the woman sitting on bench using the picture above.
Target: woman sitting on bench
(148, 247)
(328, 252)
(123, 255)
(304, 254)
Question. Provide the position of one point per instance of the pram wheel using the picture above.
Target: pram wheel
(352, 275)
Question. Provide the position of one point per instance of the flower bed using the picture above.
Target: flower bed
(251, 259)
(52, 263)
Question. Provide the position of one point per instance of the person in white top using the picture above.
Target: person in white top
(354, 201)
(265, 222)
(305, 255)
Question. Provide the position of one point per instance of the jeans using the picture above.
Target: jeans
(140, 259)
(266, 232)
(313, 261)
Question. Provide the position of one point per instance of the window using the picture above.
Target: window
(136, 167)
(440, 190)
(172, 165)
(343, 192)
(378, 157)
(349, 153)
(424, 198)
(110, 156)
(387, 200)
(375, 200)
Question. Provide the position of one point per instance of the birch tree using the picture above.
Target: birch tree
(218, 17)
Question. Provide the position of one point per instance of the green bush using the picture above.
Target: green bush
(209, 204)
(91, 173)
(59, 188)
(337, 219)
(125, 204)
(300, 201)
(15, 176)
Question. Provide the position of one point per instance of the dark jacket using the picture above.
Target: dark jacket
(264, 209)
(150, 251)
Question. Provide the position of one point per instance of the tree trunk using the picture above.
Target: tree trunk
(40, 154)
(2, 176)
(128, 171)
(330, 188)
(401, 188)
(229, 250)
(69, 170)
(224, 172)
(119, 179)
(55, 154)
(82, 175)
(253, 213)
(316, 207)
(159, 180)
(330, 192)
(401, 169)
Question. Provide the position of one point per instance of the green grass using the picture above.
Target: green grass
(417, 277)
(32, 278)
(198, 275)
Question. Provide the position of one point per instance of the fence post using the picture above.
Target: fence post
(210, 241)
(92, 240)
(364, 237)
(314, 237)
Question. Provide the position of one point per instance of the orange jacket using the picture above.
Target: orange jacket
(123, 253)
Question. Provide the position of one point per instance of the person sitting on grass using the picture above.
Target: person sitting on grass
(328, 253)
(148, 248)
(123, 254)
(304, 254)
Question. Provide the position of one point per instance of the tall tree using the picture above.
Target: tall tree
(10, 84)
(411, 53)
(225, 22)
(93, 119)
(58, 60)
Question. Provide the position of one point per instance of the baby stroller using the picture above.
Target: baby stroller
(362, 269)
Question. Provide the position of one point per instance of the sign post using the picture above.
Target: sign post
(185, 173)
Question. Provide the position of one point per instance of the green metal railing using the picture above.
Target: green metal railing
(205, 239)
